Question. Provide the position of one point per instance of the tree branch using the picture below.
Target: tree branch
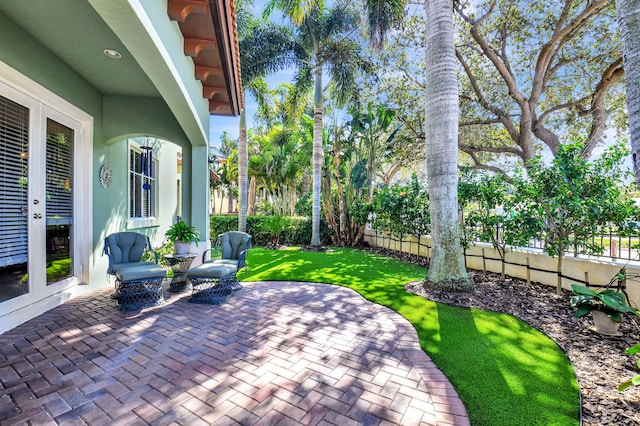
(497, 150)
(562, 32)
(614, 72)
(479, 122)
(501, 115)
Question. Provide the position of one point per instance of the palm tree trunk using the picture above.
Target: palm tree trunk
(447, 265)
(629, 21)
(316, 159)
(242, 173)
(251, 204)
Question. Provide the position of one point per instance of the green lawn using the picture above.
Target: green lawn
(505, 371)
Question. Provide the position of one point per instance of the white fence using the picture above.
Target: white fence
(529, 264)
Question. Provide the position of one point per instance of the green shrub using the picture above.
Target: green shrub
(304, 205)
(298, 232)
(167, 248)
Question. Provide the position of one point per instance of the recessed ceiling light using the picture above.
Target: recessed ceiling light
(114, 54)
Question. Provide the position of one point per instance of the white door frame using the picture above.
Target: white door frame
(43, 104)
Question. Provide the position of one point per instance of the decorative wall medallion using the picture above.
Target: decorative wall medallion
(105, 176)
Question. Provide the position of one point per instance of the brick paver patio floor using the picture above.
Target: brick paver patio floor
(275, 353)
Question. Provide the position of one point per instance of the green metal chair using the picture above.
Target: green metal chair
(125, 250)
(230, 249)
(215, 280)
(138, 282)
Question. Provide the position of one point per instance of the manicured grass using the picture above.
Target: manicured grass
(505, 371)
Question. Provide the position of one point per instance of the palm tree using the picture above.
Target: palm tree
(243, 164)
(629, 21)
(321, 40)
(256, 86)
(253, 82)
(278, 166)
(446, 269)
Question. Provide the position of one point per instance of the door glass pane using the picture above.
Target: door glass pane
(59, 187)
(14, 140)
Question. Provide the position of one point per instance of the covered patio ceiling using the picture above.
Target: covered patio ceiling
(78, 34)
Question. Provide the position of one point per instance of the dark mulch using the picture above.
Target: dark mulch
(320, 249)
(599, 361)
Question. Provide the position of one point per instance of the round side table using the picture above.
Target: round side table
(179, 264)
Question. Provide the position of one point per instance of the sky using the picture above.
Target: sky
(218, 124)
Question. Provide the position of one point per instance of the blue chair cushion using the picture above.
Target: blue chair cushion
(130, 265)
(211, 270)
(234, 242)
(126, 247)
(140, 272)
(229, 262)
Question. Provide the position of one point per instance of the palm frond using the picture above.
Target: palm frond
(296, 10)
(382, 15)
(267, 49)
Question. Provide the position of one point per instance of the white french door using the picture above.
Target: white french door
(37, 192)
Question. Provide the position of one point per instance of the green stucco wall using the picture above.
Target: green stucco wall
(20, 51)
(171, 37)
(115, 119)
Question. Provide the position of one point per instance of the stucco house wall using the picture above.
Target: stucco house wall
(169, 106)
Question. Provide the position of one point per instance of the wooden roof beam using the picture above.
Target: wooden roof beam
(210, 91)
(193, 47)
(203, 73)
(179, 10)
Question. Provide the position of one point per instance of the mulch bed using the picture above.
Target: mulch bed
(599, 361)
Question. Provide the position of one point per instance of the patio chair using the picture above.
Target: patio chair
(230, 249)
(215, 280)
(125, 249)
(138, 282)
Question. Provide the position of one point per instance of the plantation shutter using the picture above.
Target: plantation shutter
(59, 184)
(135, 184)
(14, 142)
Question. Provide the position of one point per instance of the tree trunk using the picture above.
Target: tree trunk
(447, 269)
(316, 159)
(251, 203)
(306, 181)
(329, 211)
(559, 271)
(242, 173)
(629, 21)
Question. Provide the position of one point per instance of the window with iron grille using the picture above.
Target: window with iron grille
(142, 185)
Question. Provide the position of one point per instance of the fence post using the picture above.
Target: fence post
(586, 278)
(528, 272)
(484, 265)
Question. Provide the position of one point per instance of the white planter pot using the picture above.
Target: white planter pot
(604, 324)
(181, 247)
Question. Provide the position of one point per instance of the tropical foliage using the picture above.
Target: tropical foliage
(530, 75)
(609, 301)
(571, 199)
(564, 204)
(403, 209)
(490, 213)
(635, 380)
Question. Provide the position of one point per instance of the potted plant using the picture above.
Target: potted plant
(182, 235)
(606, 307)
